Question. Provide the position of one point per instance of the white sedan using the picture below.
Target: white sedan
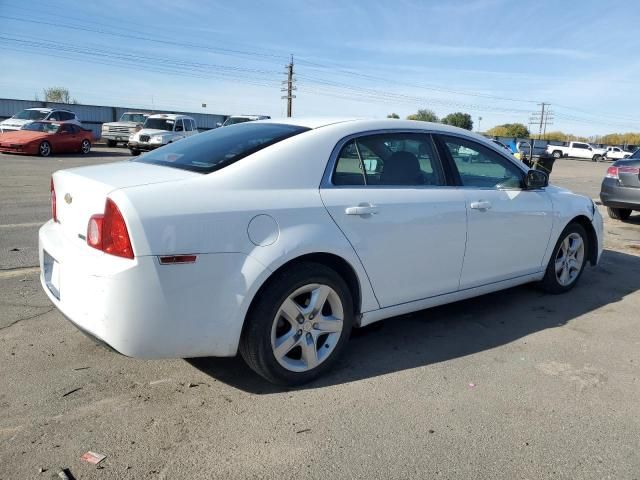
(275, 238)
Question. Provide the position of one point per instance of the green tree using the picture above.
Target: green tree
(393, 115)
(424, 115)
(509, 130)
(459, 119)
(58, 95)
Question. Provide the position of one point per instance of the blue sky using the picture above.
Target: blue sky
(494, 59)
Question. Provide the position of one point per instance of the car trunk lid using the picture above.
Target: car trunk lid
(82, 192)
(628, 173)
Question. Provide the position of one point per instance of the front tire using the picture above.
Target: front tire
(567, 261)
(111, 143)
(44, 150)
(299, 325)
(134, 152)
(619, 213)
(557, 154)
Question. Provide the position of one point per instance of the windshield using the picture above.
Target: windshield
(42, 127)
(234, 120)
(133, 117)
(217, 148)
(160, 124)
(636, 154)
(30, 115)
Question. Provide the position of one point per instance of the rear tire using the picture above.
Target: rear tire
(299, 325)
(619, 213)
(44, 150)
(597, 158)
(134, 152)
(111, 143)
(567, 260)
(557, 154)
(85, 147)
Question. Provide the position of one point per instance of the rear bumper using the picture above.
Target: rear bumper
(146, 310)
(616, 196)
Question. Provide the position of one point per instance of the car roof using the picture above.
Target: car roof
(364, 124)
(173, 116)
(47, 109)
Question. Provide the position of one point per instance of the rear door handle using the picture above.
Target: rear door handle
(362, 209)
(480, 205)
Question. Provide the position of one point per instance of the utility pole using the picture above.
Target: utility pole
(542, 119)
(289, 87)
(479, 120)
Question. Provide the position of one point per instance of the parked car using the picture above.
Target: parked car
(577, 150)
(617, 153)
(25, 117)
(120, 131)
(44, 138)
(620, 190)
(233, 119)
(159, 130)
(281, 241)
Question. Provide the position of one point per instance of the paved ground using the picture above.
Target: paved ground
(515, 384)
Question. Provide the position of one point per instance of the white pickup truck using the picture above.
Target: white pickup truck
(577, 150)
(617, 153)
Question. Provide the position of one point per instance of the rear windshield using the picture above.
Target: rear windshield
(636, 154)
(215, 149)
(234, 120)
(30, 115)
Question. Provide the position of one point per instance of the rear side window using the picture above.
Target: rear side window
(217, 148)
(187, 125)
(393, 159)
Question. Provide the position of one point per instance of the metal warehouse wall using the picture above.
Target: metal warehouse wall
(93, 116)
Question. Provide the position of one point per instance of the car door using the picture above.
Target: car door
(188, 129)
(508, 227)
(67, 138)
(388, 194)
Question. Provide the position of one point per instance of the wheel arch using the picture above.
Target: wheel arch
(592, 238)
(337, 263)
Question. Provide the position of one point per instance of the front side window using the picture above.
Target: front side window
(179, 127)
(66, 116)
(389, 159)
(480, 166)
(217, 148)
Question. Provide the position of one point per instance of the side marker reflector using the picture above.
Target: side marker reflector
(174, 259)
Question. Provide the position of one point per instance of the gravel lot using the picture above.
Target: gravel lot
(515, 384)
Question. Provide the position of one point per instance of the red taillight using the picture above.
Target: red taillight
(108, 232)
(54, 213)
(612, 172)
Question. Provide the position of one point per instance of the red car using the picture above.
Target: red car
(44, 138)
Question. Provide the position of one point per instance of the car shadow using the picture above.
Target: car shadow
(455, 330)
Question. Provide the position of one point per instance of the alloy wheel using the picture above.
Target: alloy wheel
(307, 327)
(45, 149)
(86, 146)
(569, 259)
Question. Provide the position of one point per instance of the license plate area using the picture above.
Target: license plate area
(51, 269)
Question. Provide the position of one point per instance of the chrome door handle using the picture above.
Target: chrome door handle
(362, 209)
(480, 205)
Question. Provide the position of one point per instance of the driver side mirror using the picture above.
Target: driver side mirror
(536, 179)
